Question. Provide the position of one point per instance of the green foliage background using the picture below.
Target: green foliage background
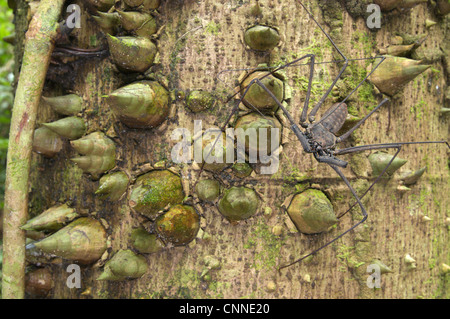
(6, 98)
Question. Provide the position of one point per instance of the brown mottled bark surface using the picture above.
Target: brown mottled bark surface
(200, 39)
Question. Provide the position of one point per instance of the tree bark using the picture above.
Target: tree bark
(197, 40)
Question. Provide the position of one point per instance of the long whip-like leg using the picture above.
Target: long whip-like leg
(222, 129)
(234, 110)
(358, 201)
(308, 92)
(312, 114)
(300, 135)
(354, 90)
(258, 82)
(380, 146)
(293, 63)
(362, 148)
(338, 171)
(344, 136)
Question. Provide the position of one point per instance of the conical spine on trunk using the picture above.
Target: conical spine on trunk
(125, 264)
(261, 38)
(207, 189)
(257, 97)
(429, 23)
(108, 21)
(379, 161)
(444, 110)
(99, 153)
(140, 23)
(84, 240)
(383, 268)
(52, 219)
(312, 212)
(70, 104)
(444, 268)
(69, 127)
(199, 100)
(398, 50)
(143, 104)
(238, 203)
(112, 186)
(155, 190)
(11, 39)
(46, 142)
(213, 149)
(179, 225)
(263, 126)
(411, 177)
(395, 72)
(133, 54)
(145, 242)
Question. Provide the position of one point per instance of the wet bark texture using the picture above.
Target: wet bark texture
(198, 40)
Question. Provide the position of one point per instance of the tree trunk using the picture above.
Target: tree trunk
(197, 40)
